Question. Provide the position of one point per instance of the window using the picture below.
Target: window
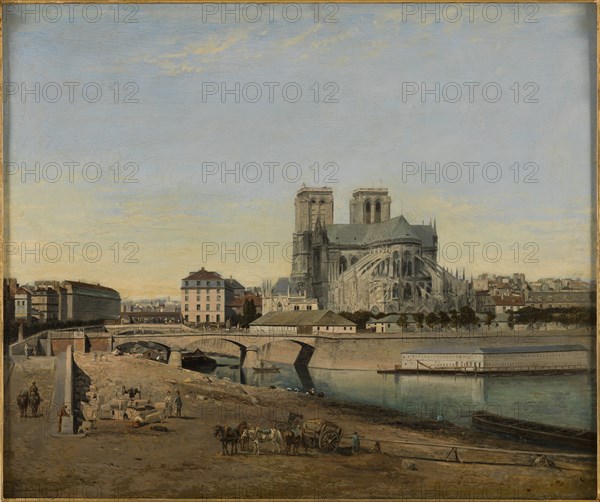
(186, 283)
(218, 307)
(197, 318)
(197, 307)
(218, 298)
(309, 307)
(207, 306)
(187, 298)
(197, 283)
(197, 298)
(218, 318)
(296, 307)
(187, 307)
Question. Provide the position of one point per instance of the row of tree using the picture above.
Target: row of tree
(466, 317)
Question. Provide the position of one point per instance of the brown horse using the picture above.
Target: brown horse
(244, 439)
(23, 403)
(34, 403)
(227, 436)
(292, 440)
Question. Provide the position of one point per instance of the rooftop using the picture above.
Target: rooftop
(203, 275)
(302, 318)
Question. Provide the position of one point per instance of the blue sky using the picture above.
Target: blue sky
(171, 54)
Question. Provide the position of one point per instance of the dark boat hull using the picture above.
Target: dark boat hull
(534, 431)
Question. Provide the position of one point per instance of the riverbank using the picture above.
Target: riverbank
(186, 462)
(375, 351)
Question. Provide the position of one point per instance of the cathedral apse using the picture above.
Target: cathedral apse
(374, 262)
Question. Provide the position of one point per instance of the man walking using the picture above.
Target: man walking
(168, 405)
(178, 404)
(355, 443)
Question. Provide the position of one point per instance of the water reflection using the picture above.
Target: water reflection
(567, 400)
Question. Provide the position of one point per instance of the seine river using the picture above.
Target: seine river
(567, 400)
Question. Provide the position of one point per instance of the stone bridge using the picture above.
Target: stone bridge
(249, 347)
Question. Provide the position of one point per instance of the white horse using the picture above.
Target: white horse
(258, 435)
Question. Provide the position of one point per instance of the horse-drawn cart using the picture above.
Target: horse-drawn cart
(321, 434)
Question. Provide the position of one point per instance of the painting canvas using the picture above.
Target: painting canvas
(299, 251)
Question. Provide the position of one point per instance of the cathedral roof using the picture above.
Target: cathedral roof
(397, 228)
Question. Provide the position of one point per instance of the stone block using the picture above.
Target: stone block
(119, 404)
(154, 417)
(118, 415)
(105, 414)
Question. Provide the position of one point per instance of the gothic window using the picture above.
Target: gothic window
(367, 212)
(377, 212)
(322, 201)
(279, 306)
(407, 266)
(407, 292)
(395, 291)
(353, 260)
(343, 265)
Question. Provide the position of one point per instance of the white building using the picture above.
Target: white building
(302, 322)
(490, 359)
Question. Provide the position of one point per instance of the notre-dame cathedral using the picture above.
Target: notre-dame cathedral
(373, 263)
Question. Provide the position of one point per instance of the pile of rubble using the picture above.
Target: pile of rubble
(138, 411)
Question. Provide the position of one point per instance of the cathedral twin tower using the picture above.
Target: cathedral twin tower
(368, 205)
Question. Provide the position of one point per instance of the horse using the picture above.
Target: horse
(244, 439)
(34, 403)
(292, 441)
(227, 435)
(23, 403)
(258, 435)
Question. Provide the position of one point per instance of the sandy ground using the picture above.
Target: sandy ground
(119, 461)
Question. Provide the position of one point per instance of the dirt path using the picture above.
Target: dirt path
(116, 460)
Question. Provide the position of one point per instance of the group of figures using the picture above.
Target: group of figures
(311, 434)
(170, 401)
(29, 350)
(29, 398)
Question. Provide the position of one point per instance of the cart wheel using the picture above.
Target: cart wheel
(329, 441)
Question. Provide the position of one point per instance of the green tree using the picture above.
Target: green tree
(403, 321)
(467, 316)
(432, 320)
(454, 319)
(489, 319)
(419, 318)
(511, 319)
(443, 319)
(248, 312)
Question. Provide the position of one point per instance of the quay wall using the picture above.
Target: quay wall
(368, 352)
(385, 353)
